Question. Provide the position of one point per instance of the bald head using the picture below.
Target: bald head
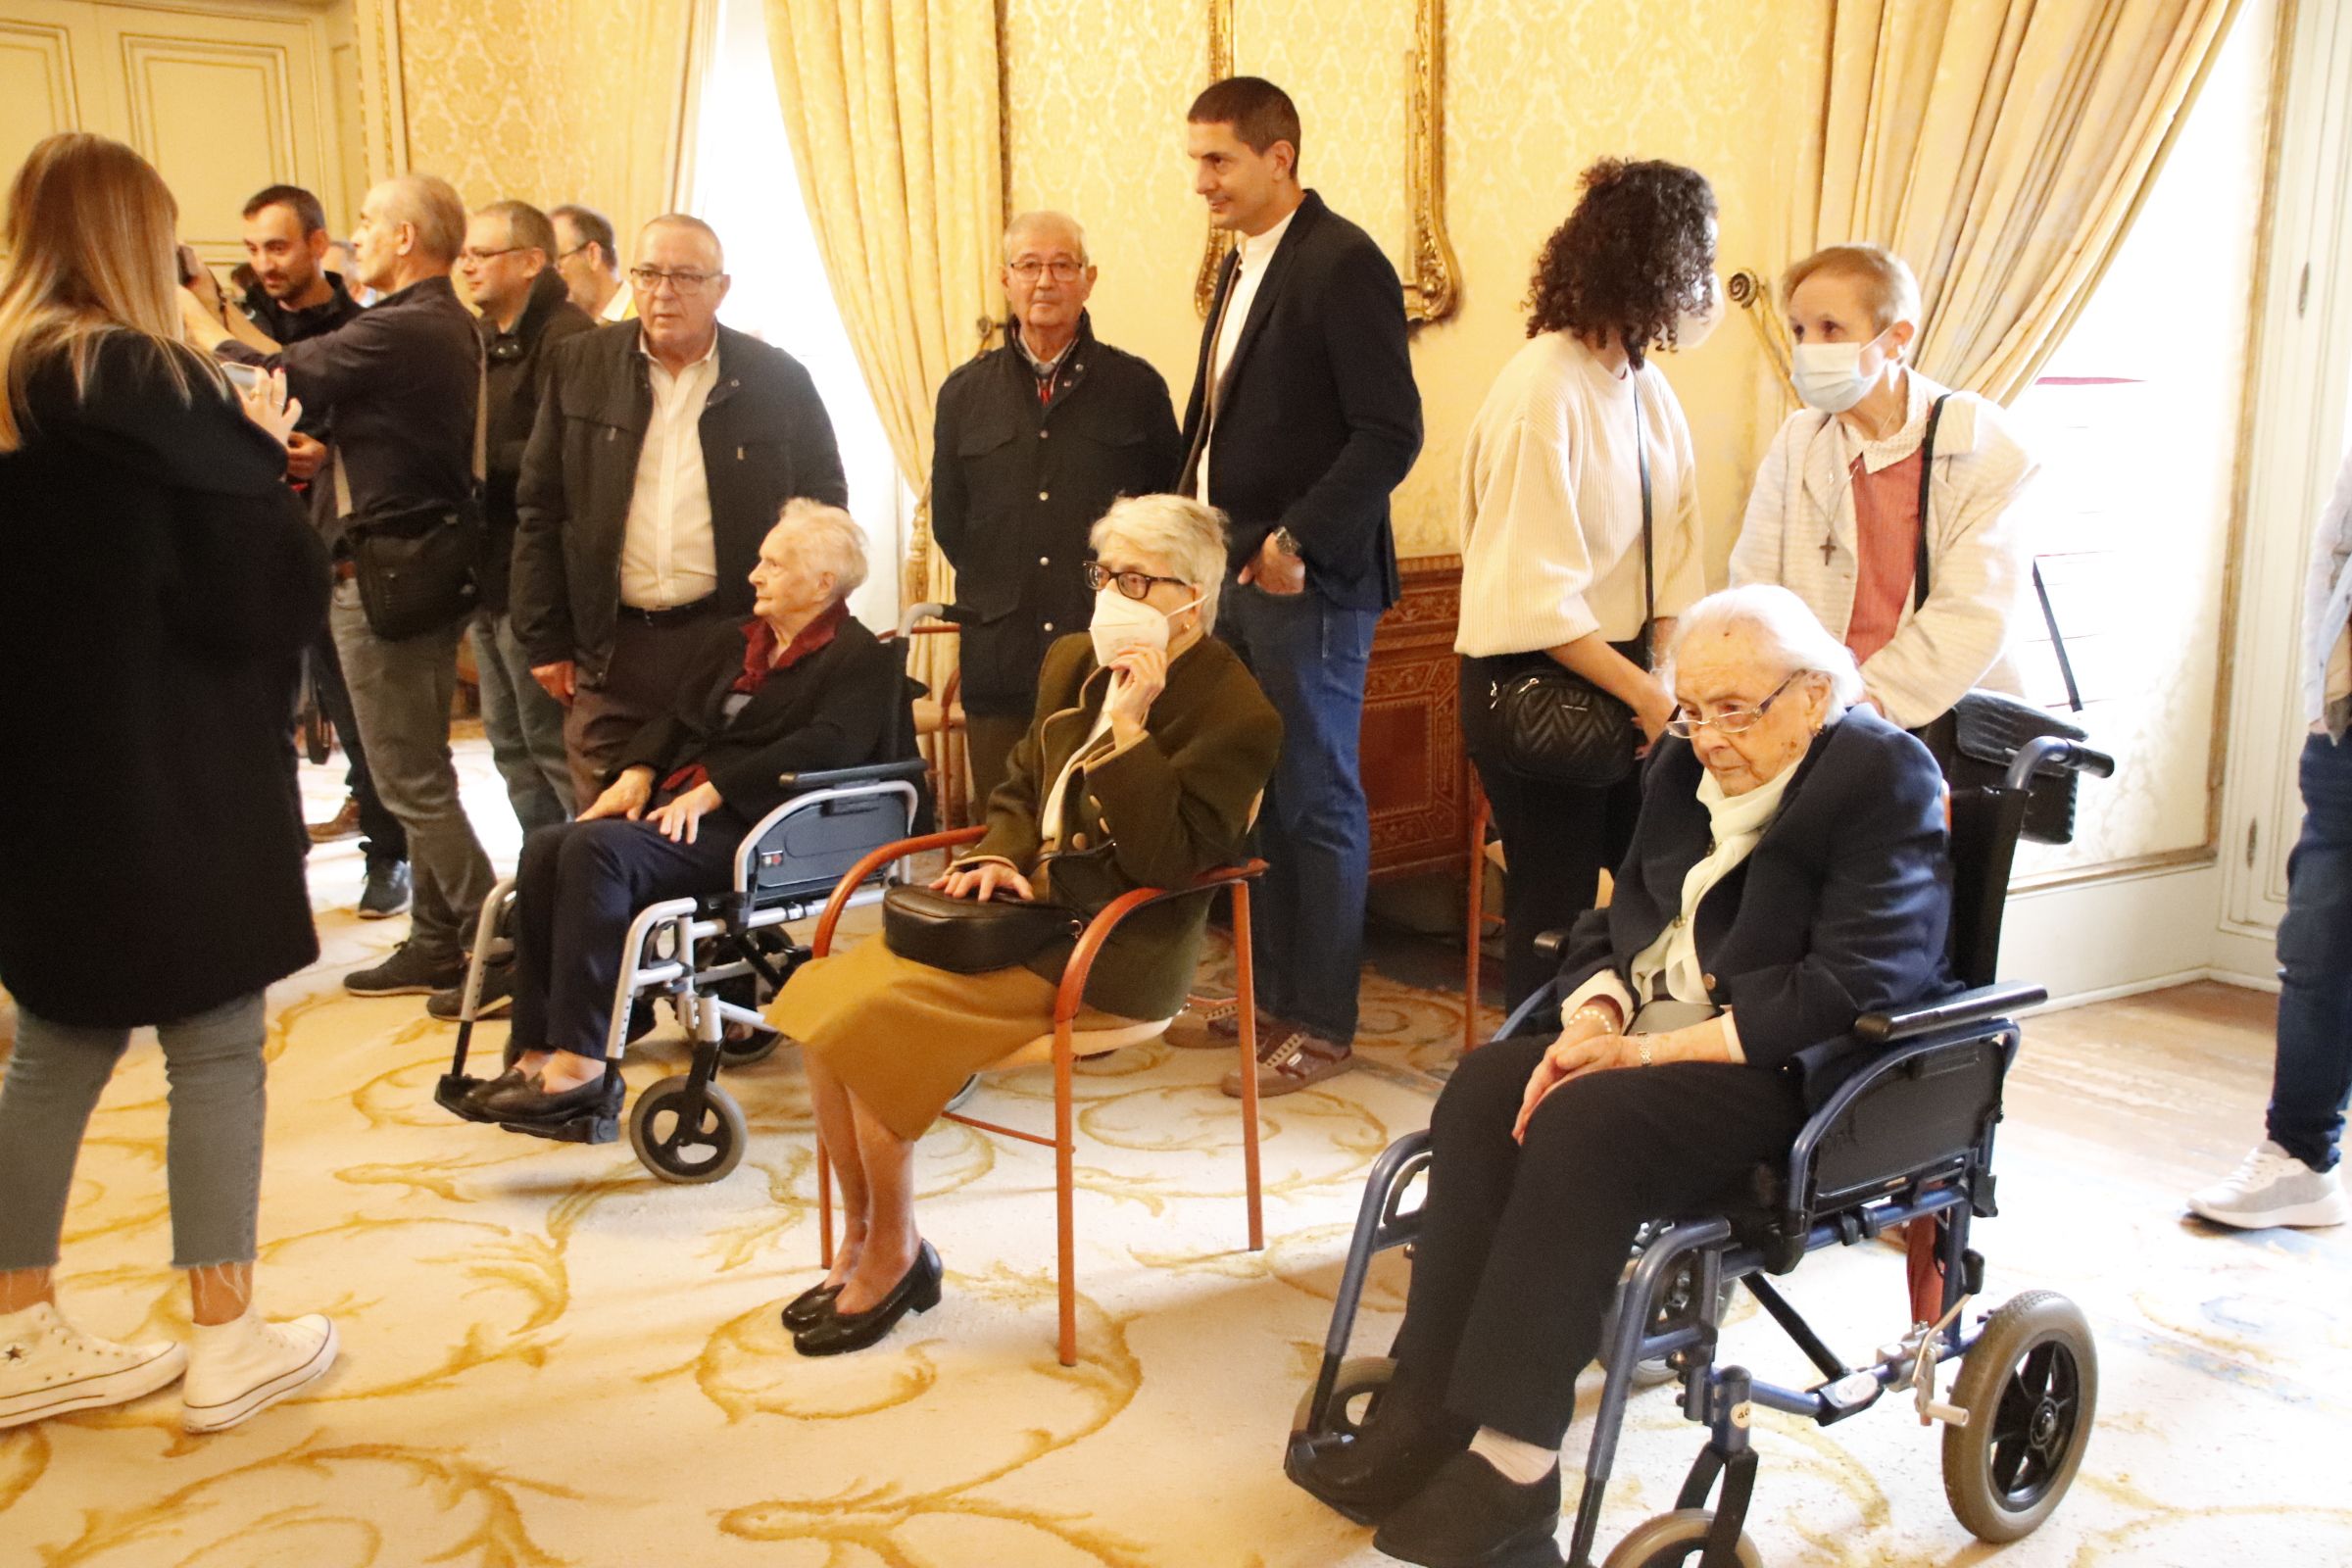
(1048, 228)
(677, 229)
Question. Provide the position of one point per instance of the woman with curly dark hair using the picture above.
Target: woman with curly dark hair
(1579, 528)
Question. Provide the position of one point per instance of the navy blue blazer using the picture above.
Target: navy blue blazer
(1843, 908)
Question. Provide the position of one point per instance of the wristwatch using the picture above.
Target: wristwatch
(1287, 543)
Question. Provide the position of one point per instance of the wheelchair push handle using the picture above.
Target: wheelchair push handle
(911, 769)
(2052, 755)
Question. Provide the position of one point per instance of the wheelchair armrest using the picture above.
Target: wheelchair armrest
(1980, 1006)
(911, 770)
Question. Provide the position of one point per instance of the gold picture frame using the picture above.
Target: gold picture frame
(1430, 273)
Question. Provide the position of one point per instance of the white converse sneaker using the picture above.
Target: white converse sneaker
(48, 1366)
(236, 1370)
(2271, 1186)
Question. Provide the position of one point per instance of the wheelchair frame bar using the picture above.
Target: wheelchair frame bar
(1379, 1218)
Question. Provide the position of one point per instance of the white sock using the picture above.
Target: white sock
(1520, 1463)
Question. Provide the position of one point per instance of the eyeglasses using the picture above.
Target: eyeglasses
(650, 279)
(469, 254)
(1028, 267)
(1134, 584)
(1731, 721)
(566, 255)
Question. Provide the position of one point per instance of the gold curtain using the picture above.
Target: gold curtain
(2002, 148)
(892, 106)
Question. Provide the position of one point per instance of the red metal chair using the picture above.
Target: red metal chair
(1067, 1043)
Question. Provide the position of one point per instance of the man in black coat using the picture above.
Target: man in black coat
(1032, 442)
(525, 313)
(1304, 417)
(664, 451)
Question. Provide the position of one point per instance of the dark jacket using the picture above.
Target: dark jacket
(161, 583)
(397, 383)
(517, 370)
(1014, 487)
(284, 325)
(1319, 419)
(1843, 908)
(833, 709)
(1176, 804)
(765, 439)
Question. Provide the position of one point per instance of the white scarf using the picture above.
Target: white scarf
(1737, 822)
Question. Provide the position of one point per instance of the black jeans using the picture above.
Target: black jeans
(577, 889)
(1556, 838)
(1521, 1246)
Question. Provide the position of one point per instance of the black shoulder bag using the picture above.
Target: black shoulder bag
(1550, 724)
(1981, 736)
(965, 936)
(418, 568)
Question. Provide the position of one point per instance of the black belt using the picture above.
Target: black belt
(676, 613)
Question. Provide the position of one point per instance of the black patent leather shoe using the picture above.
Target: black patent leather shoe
(528, 1099)
(1369, 1476)
(840, 1333)
(810, 1307)
(1469, 1516)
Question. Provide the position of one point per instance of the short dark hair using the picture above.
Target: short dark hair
(301, 202)
(594, 228)
(1631, 256)
(527, 225)
(1259, 113)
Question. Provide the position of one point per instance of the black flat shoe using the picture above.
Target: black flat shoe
(528, 1099)
(839, 1333)
(512, 1078)
(810, 1307)
(1370, 1476)
(1469, 1516)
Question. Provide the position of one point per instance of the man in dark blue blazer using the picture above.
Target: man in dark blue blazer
(1304, 417)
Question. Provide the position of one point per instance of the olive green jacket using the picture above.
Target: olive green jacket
(1156, 814)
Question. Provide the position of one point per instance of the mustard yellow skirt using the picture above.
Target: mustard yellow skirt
(904, 1036)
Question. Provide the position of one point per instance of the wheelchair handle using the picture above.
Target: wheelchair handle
(2051, 755)
(909, 769)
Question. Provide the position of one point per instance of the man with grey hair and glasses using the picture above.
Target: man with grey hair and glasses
(1033, 440)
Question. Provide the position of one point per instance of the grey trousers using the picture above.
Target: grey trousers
(213, 1161)
(524, 724)
(401, 693)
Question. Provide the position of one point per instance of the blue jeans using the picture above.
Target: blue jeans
(2313, 1077)
(1309, 656)
(525, 726)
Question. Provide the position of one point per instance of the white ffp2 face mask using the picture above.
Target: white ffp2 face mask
(1121, 623)
(1829, 377)
(1693, 327)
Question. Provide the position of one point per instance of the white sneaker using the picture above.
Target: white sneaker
(236, 1370)
(48, 1366)
(2271, 1186)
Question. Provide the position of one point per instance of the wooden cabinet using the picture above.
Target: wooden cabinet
(1416, 780)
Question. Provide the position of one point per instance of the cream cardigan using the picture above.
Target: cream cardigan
(1978, 553)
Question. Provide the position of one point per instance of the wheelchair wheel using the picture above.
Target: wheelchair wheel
(971, 1087)
(676, 1149)
(2030, 1387)
(741, 1045)
(1676, 1540)
(1358, 1389)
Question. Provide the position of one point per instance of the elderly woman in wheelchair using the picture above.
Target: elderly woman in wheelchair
(802, 687)
(1148, 750)
(1789, 874)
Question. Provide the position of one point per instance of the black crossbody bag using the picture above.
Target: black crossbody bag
(964, 936)
(420, 568)
(1981, 736)
(1551, 725)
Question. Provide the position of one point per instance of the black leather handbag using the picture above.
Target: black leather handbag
(420, 569)
(1978, 740)
(965, 936)
(1551, 725)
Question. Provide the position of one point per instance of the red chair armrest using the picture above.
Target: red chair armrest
(821, 943)
(1070, 999)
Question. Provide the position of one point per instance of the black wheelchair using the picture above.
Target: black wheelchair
(1908, 1141)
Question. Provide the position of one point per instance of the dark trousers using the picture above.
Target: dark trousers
(1314, 830)
(649, 664)
(381, 837)
(2313, 1077)
(1521, 1246)
(578, 887)
(988, 743)
(1556, 838)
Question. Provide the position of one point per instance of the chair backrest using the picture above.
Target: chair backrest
(1984, 829)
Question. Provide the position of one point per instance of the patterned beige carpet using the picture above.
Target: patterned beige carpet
(552, 1358)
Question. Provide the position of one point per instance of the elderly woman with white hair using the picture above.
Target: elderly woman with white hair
(1789, 873)
(1142, 760)
(1879, 456)
(800, 687)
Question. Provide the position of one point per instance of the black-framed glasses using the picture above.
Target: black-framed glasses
(471, 254)
(1731, 721)
(566, 255)
(1028, 267)
(650, 279)
(1134, 584)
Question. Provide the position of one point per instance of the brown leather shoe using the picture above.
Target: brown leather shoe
(344, 824)
(1288, 1060)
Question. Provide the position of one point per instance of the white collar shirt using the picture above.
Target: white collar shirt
(668, 556)
(1256, 255)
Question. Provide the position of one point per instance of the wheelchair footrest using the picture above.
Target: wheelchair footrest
(593, 1128)
(450, 1094)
